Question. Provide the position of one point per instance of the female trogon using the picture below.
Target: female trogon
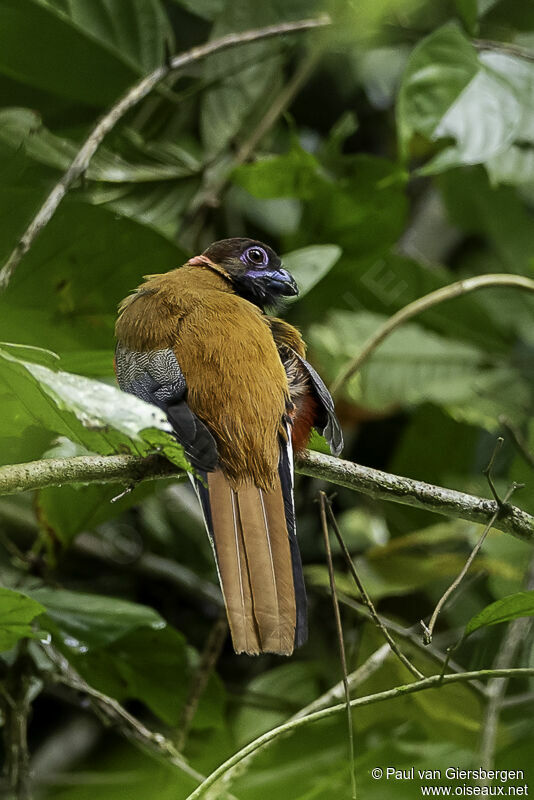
(240, 396)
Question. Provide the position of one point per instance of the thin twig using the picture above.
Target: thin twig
(156, 567)
(367, 600)
(457, 289)
(488, 472)
(412, 635)
(375, 483)
(428, 630)
(133, 96)
(227, 770)
(111, 711)
(210, 655)
(337, 616)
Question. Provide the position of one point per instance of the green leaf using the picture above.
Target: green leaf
(412, 366)
(154, 666)
(112, 41)
(520, 604)
(16, 613)
(69, 510)
(294, 174)
(84, 622)
(310, 264)
(478, 101)
(207, 9)
(438, 71)
(128, 651)
(242, 76)
(93, 414)
(136, 30)
(23, 128)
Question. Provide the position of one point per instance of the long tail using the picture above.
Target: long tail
(253, 536)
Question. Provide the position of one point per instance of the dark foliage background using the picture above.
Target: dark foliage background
(401, 160)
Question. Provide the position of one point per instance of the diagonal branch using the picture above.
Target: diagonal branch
(131, 98)
(372, 482)
(227, 770)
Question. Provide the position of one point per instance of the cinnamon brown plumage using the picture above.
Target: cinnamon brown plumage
(237, 390)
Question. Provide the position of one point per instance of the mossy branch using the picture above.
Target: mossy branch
(379, 485)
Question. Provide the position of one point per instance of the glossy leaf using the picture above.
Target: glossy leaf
(84, 622)
(480, 101)
(91, 413)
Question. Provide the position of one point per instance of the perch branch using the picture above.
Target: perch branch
(373, 482)
(130, 99)
(423, 304)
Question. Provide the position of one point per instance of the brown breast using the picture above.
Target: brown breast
(236, 381)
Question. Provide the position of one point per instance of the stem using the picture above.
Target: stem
(17, 691)
(337, 616)
(226, 770)
(368, 602)
(423, 304)
(130, 99)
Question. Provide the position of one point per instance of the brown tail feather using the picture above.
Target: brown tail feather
(254, 561)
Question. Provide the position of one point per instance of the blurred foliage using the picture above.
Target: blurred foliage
(403, 160)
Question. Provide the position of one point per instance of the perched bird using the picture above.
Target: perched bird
(241, 397)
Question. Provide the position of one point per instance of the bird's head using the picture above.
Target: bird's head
(254, 269)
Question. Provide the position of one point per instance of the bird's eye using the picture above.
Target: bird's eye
(257, 256)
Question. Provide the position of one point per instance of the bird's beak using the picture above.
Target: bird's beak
(286, 283)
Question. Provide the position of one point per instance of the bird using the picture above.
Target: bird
(233, 380)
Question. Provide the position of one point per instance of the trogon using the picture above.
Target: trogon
(241, 399)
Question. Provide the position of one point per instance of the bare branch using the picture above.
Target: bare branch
(373, 482)
(130, 99)
(423, 304)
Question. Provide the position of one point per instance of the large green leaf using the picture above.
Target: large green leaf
(16, 613)
(310, 264)
(88, 52)
(135, 30)
(481, 101)
(520, 604)
(155, 666)
(88, 412)
(127, 651)
(87, 621)
(242, 77)
(23, 128)
(412, 366)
